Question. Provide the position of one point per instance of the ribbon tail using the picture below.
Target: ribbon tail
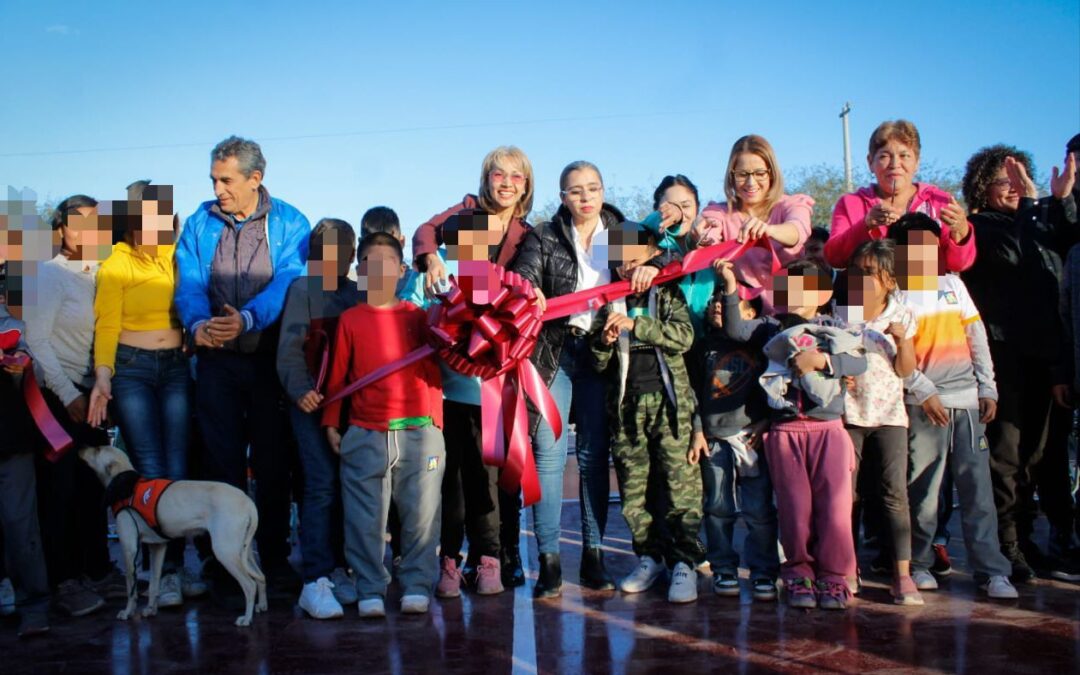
(58, 439)
(540, 395)
(493, 432)
(520, 469)
(379, 373)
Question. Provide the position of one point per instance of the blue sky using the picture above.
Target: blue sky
(358, 104)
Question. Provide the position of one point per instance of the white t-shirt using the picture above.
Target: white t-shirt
(878, 398)
(592, 269)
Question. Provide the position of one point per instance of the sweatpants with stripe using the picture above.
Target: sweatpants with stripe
(405, 467)
(811, 462)
(960, 447)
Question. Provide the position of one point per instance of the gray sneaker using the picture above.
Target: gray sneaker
(75, 599)
(112, 586)
(344, 587)
(192, 584)
(169, 592)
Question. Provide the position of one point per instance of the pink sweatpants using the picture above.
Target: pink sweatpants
(810, 462)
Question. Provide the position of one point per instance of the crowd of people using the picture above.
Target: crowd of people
(831, 387)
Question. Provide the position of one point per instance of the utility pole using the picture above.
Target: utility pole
(844, 114)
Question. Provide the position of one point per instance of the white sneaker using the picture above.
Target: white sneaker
(924, 581)
(414, 604)
(643, 576)
(317, 599)
(683, 586)
(1000, 588)
(372, 608)
(169, 593)
(344, 586)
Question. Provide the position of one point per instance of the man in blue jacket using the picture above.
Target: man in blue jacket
(235, 260)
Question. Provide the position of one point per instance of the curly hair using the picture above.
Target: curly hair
(983, 166)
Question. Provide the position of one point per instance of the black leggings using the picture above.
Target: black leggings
(890, 444)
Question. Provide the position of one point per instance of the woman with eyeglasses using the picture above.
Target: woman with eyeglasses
(566, 255)
(756, 207)
(868, 212)
(506, 193)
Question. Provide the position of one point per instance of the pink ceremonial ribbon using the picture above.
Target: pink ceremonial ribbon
(58, 439)
(491, 334)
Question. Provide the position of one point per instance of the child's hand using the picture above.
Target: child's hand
(641, 278)
(756, 433)
(808, 361)
(936, 412)
(18, 367)
(987, 410)
(608, 336)
(333, 437)
(699, 447)
(726, 270)
(896, 330)
(309, 401)
(618, 323)
(849, 384)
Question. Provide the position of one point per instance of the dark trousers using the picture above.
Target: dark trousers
(240, 404)
(322, 528)
(470, 488)
(890, 447)
(25, 558)
(1028, 448)
(74, 524)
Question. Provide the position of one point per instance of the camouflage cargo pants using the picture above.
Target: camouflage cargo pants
(645, 442)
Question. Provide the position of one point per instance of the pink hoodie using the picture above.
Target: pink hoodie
(849, 226)
(755, 267)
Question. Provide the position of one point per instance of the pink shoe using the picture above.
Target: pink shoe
(904, 592)
(449, 585)
(489, 576)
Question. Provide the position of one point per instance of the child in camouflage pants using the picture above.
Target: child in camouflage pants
(650, 405)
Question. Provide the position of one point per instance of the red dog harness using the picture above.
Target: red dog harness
(144, 500)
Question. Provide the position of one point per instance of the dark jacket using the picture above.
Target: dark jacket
(1015, 281)
(16, 425)
(729, 395)
(547, 259)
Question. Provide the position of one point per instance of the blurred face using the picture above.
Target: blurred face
(507, 183)
(800, 294)
(378, 273)
(10, 244)
(1000, 194)
(752, 180)
(583, 195)
(868, 288)
(156, 226)
(331, 259)
(85, 236)
(236, 194)
(814, 248)
(628, 257)
(714, 313)
(894, 165)
(917, 262)
(475, 239)
(684, 199)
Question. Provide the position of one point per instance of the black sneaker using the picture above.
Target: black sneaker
(1021, 571)
(75, 599)
(1065, 567)
(33, 622)
(512, 573)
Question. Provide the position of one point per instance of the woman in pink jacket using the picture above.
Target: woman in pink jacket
(757, 207)
(867, 213)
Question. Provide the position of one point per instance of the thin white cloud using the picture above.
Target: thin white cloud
(61, 29)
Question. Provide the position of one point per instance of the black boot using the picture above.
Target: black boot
(1021, 571)
(593, 573)
(512, 573)
(549, 583)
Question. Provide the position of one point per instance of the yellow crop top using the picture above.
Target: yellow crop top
(134, 292)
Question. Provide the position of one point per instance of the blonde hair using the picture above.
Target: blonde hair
(895, 130)
(491, 161)
(756, 145)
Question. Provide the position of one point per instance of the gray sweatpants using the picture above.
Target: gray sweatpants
(960, 447)
(406, 466)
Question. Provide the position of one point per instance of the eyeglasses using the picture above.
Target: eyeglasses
(759, 176)
(1000, 183)
(496, 176)
(580, 192)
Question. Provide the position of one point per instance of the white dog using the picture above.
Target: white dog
(187, 507)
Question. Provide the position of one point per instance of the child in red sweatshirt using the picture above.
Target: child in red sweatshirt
(392, 448)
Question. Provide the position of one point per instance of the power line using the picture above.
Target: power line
(368, 132)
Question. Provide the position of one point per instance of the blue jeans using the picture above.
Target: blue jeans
(755, 502)
(576, 382)
(152, 402)
(321, 528)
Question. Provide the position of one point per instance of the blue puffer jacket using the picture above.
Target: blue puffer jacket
(287, 233)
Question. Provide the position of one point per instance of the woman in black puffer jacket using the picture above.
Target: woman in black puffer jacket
(566, 255)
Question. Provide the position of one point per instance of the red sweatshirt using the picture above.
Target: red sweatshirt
(369, 338)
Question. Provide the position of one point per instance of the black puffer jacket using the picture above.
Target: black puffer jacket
(547, 259)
